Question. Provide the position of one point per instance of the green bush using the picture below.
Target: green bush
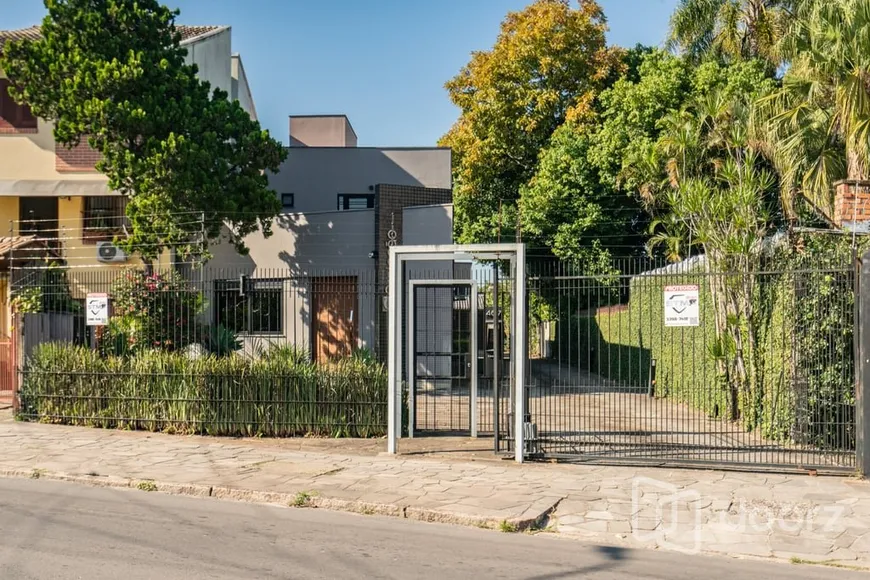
(620, 343)
(803, 304)
(222, 341)
(154, 311)
(45, 290)
(156, 390)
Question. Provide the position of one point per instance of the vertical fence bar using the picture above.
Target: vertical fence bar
(496, 360)
(520, 325)
(394, 407)
(862, 397)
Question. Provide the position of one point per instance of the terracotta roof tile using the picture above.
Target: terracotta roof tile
(32, 33)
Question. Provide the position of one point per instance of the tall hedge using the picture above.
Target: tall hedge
(804, 303)
(279, 394)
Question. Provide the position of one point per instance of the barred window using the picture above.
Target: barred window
(104, 217)
(250, 306)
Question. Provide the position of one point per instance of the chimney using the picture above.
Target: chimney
(852, 204)
(321, 131)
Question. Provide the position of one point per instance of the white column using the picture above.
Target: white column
(520, 327)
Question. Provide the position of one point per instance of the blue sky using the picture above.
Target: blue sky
(381, 62)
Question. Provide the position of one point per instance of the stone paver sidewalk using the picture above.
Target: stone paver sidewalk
(822, 519)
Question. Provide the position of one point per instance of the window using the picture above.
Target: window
(104, 217)
(249, 306)
(288, 200)
(356, 201)
(18, 116)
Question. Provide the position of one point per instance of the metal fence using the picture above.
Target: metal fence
(222, 351)
(680, 364)
(642, 362)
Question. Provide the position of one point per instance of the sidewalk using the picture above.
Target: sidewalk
(819, 519)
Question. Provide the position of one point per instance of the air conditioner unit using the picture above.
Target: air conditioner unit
(109, 252)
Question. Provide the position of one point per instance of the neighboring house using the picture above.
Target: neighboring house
(55, 192)
(321, 276)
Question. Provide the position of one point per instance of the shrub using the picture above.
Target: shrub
(45, 291)
(155, 311)
(221, 341)
(276, 395)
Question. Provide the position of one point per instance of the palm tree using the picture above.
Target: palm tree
(731, 29)
(819, 120)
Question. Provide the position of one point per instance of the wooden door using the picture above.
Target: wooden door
(334, 307)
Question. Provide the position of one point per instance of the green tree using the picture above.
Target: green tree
(722, 194)
(566, 208)
(819, 121)
(549, 59)
(731, 29)
(112, 72)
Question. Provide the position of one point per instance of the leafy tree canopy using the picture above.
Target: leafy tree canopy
(732, 30)
(113, 72)
(548, 63)
(818, 122)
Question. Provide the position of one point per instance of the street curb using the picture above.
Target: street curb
(533, 518)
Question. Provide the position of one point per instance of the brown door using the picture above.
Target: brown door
(334, 316)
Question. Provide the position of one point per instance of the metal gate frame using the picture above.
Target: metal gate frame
(399, 256)
(412, 339)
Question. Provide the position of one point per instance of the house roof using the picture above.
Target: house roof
(9, 243)
(28, 247)
(188, 33)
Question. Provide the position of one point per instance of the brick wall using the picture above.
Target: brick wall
(852, 202)
(80, 158)
(6, 128)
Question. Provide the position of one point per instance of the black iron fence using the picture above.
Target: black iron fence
(641, 362)
(218, 351)
(678, 363)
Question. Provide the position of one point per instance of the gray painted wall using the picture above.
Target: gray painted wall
(316, 175)
(212, 55)
(424, 225)
(318, 244)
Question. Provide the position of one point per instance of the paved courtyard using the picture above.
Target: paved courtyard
(587, 417)
(460, 481)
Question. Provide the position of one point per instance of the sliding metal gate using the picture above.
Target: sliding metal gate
(637, 370)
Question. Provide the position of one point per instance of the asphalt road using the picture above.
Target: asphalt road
(58, 530)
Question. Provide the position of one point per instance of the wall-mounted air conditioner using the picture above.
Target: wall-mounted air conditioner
(109, 252)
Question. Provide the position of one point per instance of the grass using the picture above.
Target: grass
(302, 499)
(828, 563)
(146, 486)
(507, 527)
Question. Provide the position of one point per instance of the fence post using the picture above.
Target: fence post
(862, 384)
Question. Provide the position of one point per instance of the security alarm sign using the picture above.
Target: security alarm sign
(97, 309)
(681, 305)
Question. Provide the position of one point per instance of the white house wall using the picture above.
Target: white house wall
(212, 56)
(241, 89)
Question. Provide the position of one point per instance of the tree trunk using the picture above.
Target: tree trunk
(856, 167)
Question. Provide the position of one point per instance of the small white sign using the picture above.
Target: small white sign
(681, 305)
(97, 309)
